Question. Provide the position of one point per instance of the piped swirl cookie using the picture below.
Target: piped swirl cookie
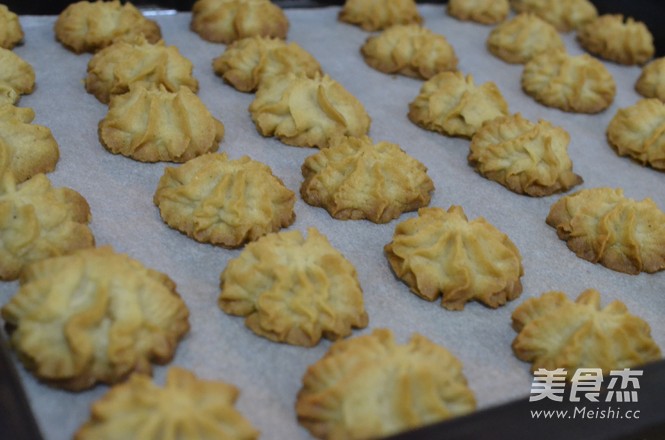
(358, 179)
(555, 332)
(225, 21)
(94, 316)
(409, 50)
(11, 32)
(479, 11)
(376, 15)
(89, 26)
(370, 386)
(113, 69)
(213, 199)
(525, 157)
(624, 41)
(17, 77)
(442, 253)
(158, 125)
(246, 63)
(38, 221)
(26, 149)
(651, 83)
(452, 104)
(185, 404)
(603, 226)
(307, 112)
(638, 131)
(294, 289)
(578, 84)
(520, 38)
(565, 15)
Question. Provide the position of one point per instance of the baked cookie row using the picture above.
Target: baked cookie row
(356, 369)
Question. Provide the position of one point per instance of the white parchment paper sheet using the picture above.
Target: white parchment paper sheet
(120, 192)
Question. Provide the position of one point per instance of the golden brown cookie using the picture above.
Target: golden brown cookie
(480, 11)
(520, 38)
(17, 77)
(410, 50)
(26, 149)
(376, 15)
(442, 253)
(358, 179)
(613, 38)
(38, 221)
(565, 15)
(11, 32)
(555, 332)
(525, 157)
(579, 84)
(113, 69)
(307, 112)
(370, 386)
(213, 199)
(450, 103)
(246, 63)
(94, 316)
(89, 26)
(637, 131)
(603, 226)
(294, 289)
(158, 125)
(651, 83)
(225, 21)
(185, 407)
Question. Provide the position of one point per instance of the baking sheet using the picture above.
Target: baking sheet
(219, 346)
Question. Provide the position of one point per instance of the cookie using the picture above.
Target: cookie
(527, 158)
(294, 289)
(651, 83)
(11, 32)
(158, 125)
(637, 132)
(94, 316)
(611, 37)
(26, 149)
(246, 63)
(409, 50)
(442, 253)
(577, 84)
(213, 199)
(376, 15)
(603, 226)
(38, 221)
(185, 406)
(479, 11)
(17, 77)
(565, 15)
(90, 26)
(517, 40)
(113, 69)
(391, 387)
(555, 332)
(225, 21)
(307, 112)
(451, 103)
(358, 179)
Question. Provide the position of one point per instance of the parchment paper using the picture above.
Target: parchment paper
(219, 346)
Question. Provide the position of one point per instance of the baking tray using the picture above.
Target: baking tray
(120, 191)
